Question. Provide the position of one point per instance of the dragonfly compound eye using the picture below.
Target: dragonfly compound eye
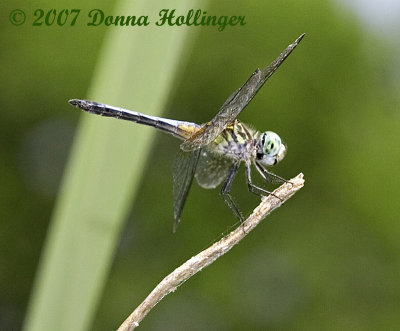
(271, 143)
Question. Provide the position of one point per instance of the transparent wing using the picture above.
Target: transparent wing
(211, 169)
(236, 103)
(183, 172)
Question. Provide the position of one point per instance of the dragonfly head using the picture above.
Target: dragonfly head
(271, 149)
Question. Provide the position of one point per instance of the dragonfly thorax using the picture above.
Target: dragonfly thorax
(236, 142)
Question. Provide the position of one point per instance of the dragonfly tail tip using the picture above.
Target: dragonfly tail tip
(82, 104)
(300, 38)
(75, 102)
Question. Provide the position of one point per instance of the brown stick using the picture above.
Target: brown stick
(209, 255)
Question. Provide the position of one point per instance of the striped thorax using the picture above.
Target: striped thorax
(236, 142)
(239, 142)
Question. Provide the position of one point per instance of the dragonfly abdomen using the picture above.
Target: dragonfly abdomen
(179, 129)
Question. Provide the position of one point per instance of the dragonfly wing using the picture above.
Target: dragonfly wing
(236, 103)
(212, 169)
(183, 172)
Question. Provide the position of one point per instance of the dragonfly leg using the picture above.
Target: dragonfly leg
(225, 192)
(269, 176)
(256, 189)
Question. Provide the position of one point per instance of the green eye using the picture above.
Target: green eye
(271, 143)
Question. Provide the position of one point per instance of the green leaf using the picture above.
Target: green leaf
(136, 70)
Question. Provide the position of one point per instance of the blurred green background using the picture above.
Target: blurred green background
(328, 259)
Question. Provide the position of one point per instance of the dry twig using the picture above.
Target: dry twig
(209, 255)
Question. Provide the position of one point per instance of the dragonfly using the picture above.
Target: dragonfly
(212, 152)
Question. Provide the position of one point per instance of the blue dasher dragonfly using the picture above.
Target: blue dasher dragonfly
(212, 152)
